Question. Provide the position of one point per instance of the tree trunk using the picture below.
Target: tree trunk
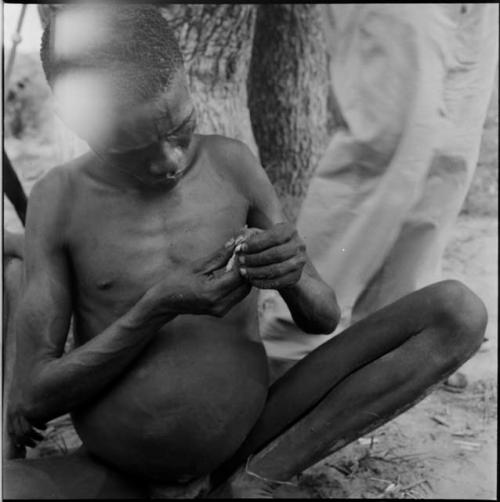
(288, 89)
(216, 42)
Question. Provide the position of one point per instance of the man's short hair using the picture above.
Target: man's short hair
(134, 46)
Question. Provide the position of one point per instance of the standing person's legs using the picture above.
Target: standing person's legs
(357, 381)
(414, 261)
(375, 167)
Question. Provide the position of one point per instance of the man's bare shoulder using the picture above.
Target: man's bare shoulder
(233, 157)
(51, 197)
(60, 180)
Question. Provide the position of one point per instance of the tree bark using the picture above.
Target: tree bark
(288, 89)
(216, 42)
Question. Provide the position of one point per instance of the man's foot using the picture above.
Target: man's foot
(455, 383)
(245, 485)
(485, 345)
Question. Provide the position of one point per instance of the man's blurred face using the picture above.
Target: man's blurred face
(152, 139)
(149, 140)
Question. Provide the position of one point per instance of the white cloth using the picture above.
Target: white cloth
(413, 84)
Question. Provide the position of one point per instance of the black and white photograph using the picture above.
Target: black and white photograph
(249, 250)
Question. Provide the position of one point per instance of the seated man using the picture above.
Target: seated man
(168, 383)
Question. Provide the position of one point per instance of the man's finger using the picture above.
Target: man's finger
(35, 435)
(274, 271)
(27, 429)
(21, 432)
(19, 427)
(235, 297)
(29, 442)
(279, 234)
(282, 282)
(224, 281)
(40, 425)
(276, 254)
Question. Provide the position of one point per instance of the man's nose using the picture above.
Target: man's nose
(167, 161)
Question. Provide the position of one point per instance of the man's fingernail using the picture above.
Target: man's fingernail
(243, 247)
(242, 259)
(238, 248)
(243, 271)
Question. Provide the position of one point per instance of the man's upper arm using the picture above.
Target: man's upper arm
(45, 311)
(265, 208)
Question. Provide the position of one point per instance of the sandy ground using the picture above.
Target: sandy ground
(444, 447)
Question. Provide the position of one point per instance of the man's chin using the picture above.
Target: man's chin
(162, 181)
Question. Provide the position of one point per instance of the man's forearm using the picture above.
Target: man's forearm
(63, 384)
(313, 305)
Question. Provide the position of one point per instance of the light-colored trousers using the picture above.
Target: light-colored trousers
(413, 85)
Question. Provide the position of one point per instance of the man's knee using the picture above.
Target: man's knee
(461, 316)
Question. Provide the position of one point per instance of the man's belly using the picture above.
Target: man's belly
(184, 406)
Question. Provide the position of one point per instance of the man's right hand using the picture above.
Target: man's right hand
(20, 430)
(206, 289)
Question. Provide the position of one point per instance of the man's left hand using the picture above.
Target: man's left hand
(274, 258)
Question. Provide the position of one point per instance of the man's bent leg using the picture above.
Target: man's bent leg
(72, 476)
(359, 380)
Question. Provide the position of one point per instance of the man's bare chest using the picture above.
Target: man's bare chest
(120, 246)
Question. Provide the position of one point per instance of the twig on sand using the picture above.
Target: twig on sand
(410, 456)
(342, 470)
(387, 481)
(468, 445)
(390, 489)
(368, 441)
(464, 434)
(440, 421)
(383, 458)
(413, 485)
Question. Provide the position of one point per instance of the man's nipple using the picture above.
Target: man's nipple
(104, 284)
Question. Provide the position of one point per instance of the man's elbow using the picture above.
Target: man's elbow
(30, 408)
(34, 405)
(325, 322)
(332, 313)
